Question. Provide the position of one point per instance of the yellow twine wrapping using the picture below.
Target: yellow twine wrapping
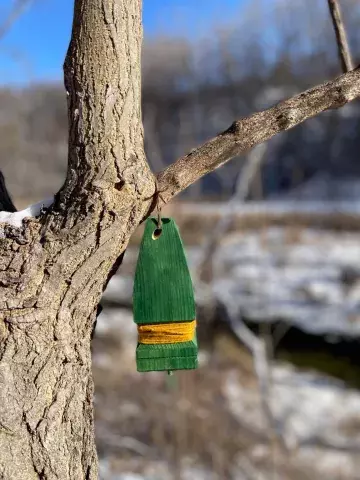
(159, 333)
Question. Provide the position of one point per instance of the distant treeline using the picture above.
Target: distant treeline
(194, 89)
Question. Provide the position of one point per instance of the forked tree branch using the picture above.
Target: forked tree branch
(247, 132)
(341, 38)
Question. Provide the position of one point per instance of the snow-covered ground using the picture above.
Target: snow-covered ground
(317, 418)
(312, 281)
(306, 277)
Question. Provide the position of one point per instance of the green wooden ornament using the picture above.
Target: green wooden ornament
(163, 294)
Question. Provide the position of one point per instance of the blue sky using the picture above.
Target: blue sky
(35, 47)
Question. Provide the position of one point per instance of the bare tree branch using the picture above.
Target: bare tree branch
(261, 363)
(257, 128)
(341, 38)
(242, 186)
(18, 8)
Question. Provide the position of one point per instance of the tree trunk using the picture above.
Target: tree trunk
(53, 271)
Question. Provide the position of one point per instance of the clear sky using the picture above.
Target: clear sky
(35, 47)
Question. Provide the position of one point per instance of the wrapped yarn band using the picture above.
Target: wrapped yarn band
(161, 333)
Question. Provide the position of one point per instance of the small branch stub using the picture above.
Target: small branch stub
(341, 38)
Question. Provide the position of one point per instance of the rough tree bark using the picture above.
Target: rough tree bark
(54, 268)
(54, 271)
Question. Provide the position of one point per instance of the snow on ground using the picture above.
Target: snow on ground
(313, 282)
(309, 278)
(318, 417)
(158, 471)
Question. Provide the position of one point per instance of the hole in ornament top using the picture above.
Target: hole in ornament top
(156, 234)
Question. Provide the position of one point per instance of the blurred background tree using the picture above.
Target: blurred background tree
(193, 88)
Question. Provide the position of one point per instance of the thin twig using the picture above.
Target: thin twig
(16, 11)
(341, 38)
(244, 134)
(242, 186)
(261, 365)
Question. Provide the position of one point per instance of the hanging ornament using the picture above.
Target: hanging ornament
(163, 301)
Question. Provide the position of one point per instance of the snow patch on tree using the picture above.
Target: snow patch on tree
(15, 218)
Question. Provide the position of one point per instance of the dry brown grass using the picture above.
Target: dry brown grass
(149, 419)
(176, 418)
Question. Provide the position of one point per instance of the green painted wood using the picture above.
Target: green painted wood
(163, 292)
(169, 364)
(175, 356)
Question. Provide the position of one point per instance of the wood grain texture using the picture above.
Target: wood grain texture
(163, 292)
